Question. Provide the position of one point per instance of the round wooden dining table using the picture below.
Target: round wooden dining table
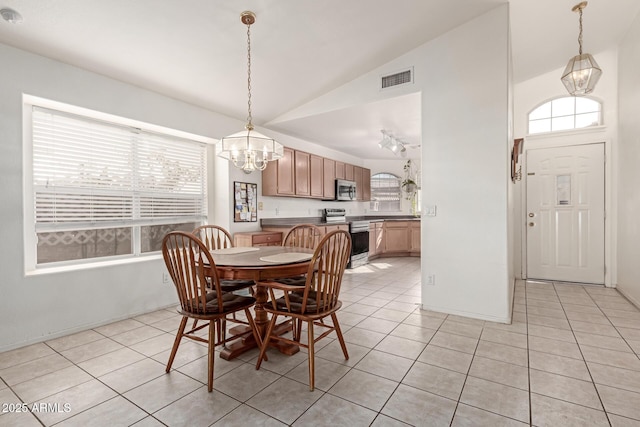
(261, 263)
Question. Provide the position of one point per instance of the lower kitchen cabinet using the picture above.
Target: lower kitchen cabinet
(258, 238)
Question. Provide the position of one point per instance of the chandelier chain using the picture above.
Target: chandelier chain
(580, 34)
(249, 124)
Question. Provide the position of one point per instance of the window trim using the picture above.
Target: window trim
(29, 236)
(399, 178)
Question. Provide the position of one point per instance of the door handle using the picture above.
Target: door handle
(531, 224)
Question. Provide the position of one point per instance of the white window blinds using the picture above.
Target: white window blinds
(92, 174)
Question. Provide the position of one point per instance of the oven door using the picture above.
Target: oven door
(359, 249)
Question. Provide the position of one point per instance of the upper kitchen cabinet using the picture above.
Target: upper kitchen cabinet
(317, 176)
(302, 173)
(329, 179)
(278, 179)
(340, 170)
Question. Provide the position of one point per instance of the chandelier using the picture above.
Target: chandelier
(582, 72)
(249, 150)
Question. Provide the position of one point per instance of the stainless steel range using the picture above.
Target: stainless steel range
(359, 231)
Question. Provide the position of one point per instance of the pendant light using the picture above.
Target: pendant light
(582, 72)
(249, 150)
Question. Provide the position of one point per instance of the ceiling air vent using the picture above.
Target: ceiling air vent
(403, 77)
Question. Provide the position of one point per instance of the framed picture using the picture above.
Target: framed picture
(245, 202)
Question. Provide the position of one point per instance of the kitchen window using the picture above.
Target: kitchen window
(104, 190)
(385, 192)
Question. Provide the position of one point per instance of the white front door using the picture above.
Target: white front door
(565, 213)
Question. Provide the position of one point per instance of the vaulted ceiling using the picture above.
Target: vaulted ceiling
(195, 50)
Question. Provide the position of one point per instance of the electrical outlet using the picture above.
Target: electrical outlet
(165, 277)
(277, 211)
(260, 206)
(431, 280)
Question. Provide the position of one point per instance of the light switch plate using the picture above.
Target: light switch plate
(430, 210)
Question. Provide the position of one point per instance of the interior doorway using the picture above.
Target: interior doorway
(565, 213)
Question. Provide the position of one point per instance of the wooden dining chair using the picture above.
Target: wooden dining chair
(201, 296)
(216, 237)
(316, 301)
(301, 236)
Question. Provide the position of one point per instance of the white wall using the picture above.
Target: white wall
(533, 92)
(38, 307)
(628, 161)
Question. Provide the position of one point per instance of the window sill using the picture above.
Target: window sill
(39, 271)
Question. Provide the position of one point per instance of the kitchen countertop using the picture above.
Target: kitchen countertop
(288, 222)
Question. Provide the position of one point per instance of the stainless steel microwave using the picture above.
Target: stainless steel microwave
(345, 190)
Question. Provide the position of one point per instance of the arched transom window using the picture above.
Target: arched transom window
(385, 192)
(569, 112)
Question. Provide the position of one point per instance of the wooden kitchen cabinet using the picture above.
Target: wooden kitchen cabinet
(316, 176)
(376, 239)
(366, 185)
(357, 177)
(414, 233)
(329, 228)
(257, 238)
(340, 172)
(278, 178)
(302, 173)
(329, 179)
(349, 172)
(397, 238)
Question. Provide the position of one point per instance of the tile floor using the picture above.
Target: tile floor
(569, 359)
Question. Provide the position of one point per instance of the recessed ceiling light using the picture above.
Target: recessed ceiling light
(11, 16)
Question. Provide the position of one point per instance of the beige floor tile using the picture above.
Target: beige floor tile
(390, 314)
(74, 340)
(603, 356)
(618, 421)
(188, 351)
(548, 412)
(551, 322)
(168, 325)
(106, 363)
(24, 355)
(620, 402)
(385, 365)
(611, 343)
(565, 388)
(118, 327)
(415, 333)
(364, 389)
(630, 333)
(566, 366)
(327, 373)
(385, 421)
(157, 316)
(615, 377)
(244, 382)
(343, 413)
(433, 379)
(55, 382)
(468, 416)
(551, 333)
(334, 353)
(446, 358)
(559, 348)
(378, 325)
(504, 337)
(137, 335)
(88, 351)
(459, 328)
(363, 337)
(276, 400)
(196, 409)
(362, 309)
(423, 321)
(155, 345)
(21, 419)
(500, 372)
(133, 375)
(162, 391)
(517, 326)
(414, 406)
(454, 342)
(349, 319)
(17, 374)
(78, 399)
(635, 346)
(594, 328)
(497, 398)
(244, 416)
(549, 312)
(115, 412)
(621, 322)
(502, 352)
(401, 346)
(597, 318)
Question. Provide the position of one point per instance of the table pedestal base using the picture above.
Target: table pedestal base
(242, 345)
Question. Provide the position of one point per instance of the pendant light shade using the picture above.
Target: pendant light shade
(249, 150)
(582, 72)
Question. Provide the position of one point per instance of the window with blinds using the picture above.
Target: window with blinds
(102, 189)
(385, 192)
